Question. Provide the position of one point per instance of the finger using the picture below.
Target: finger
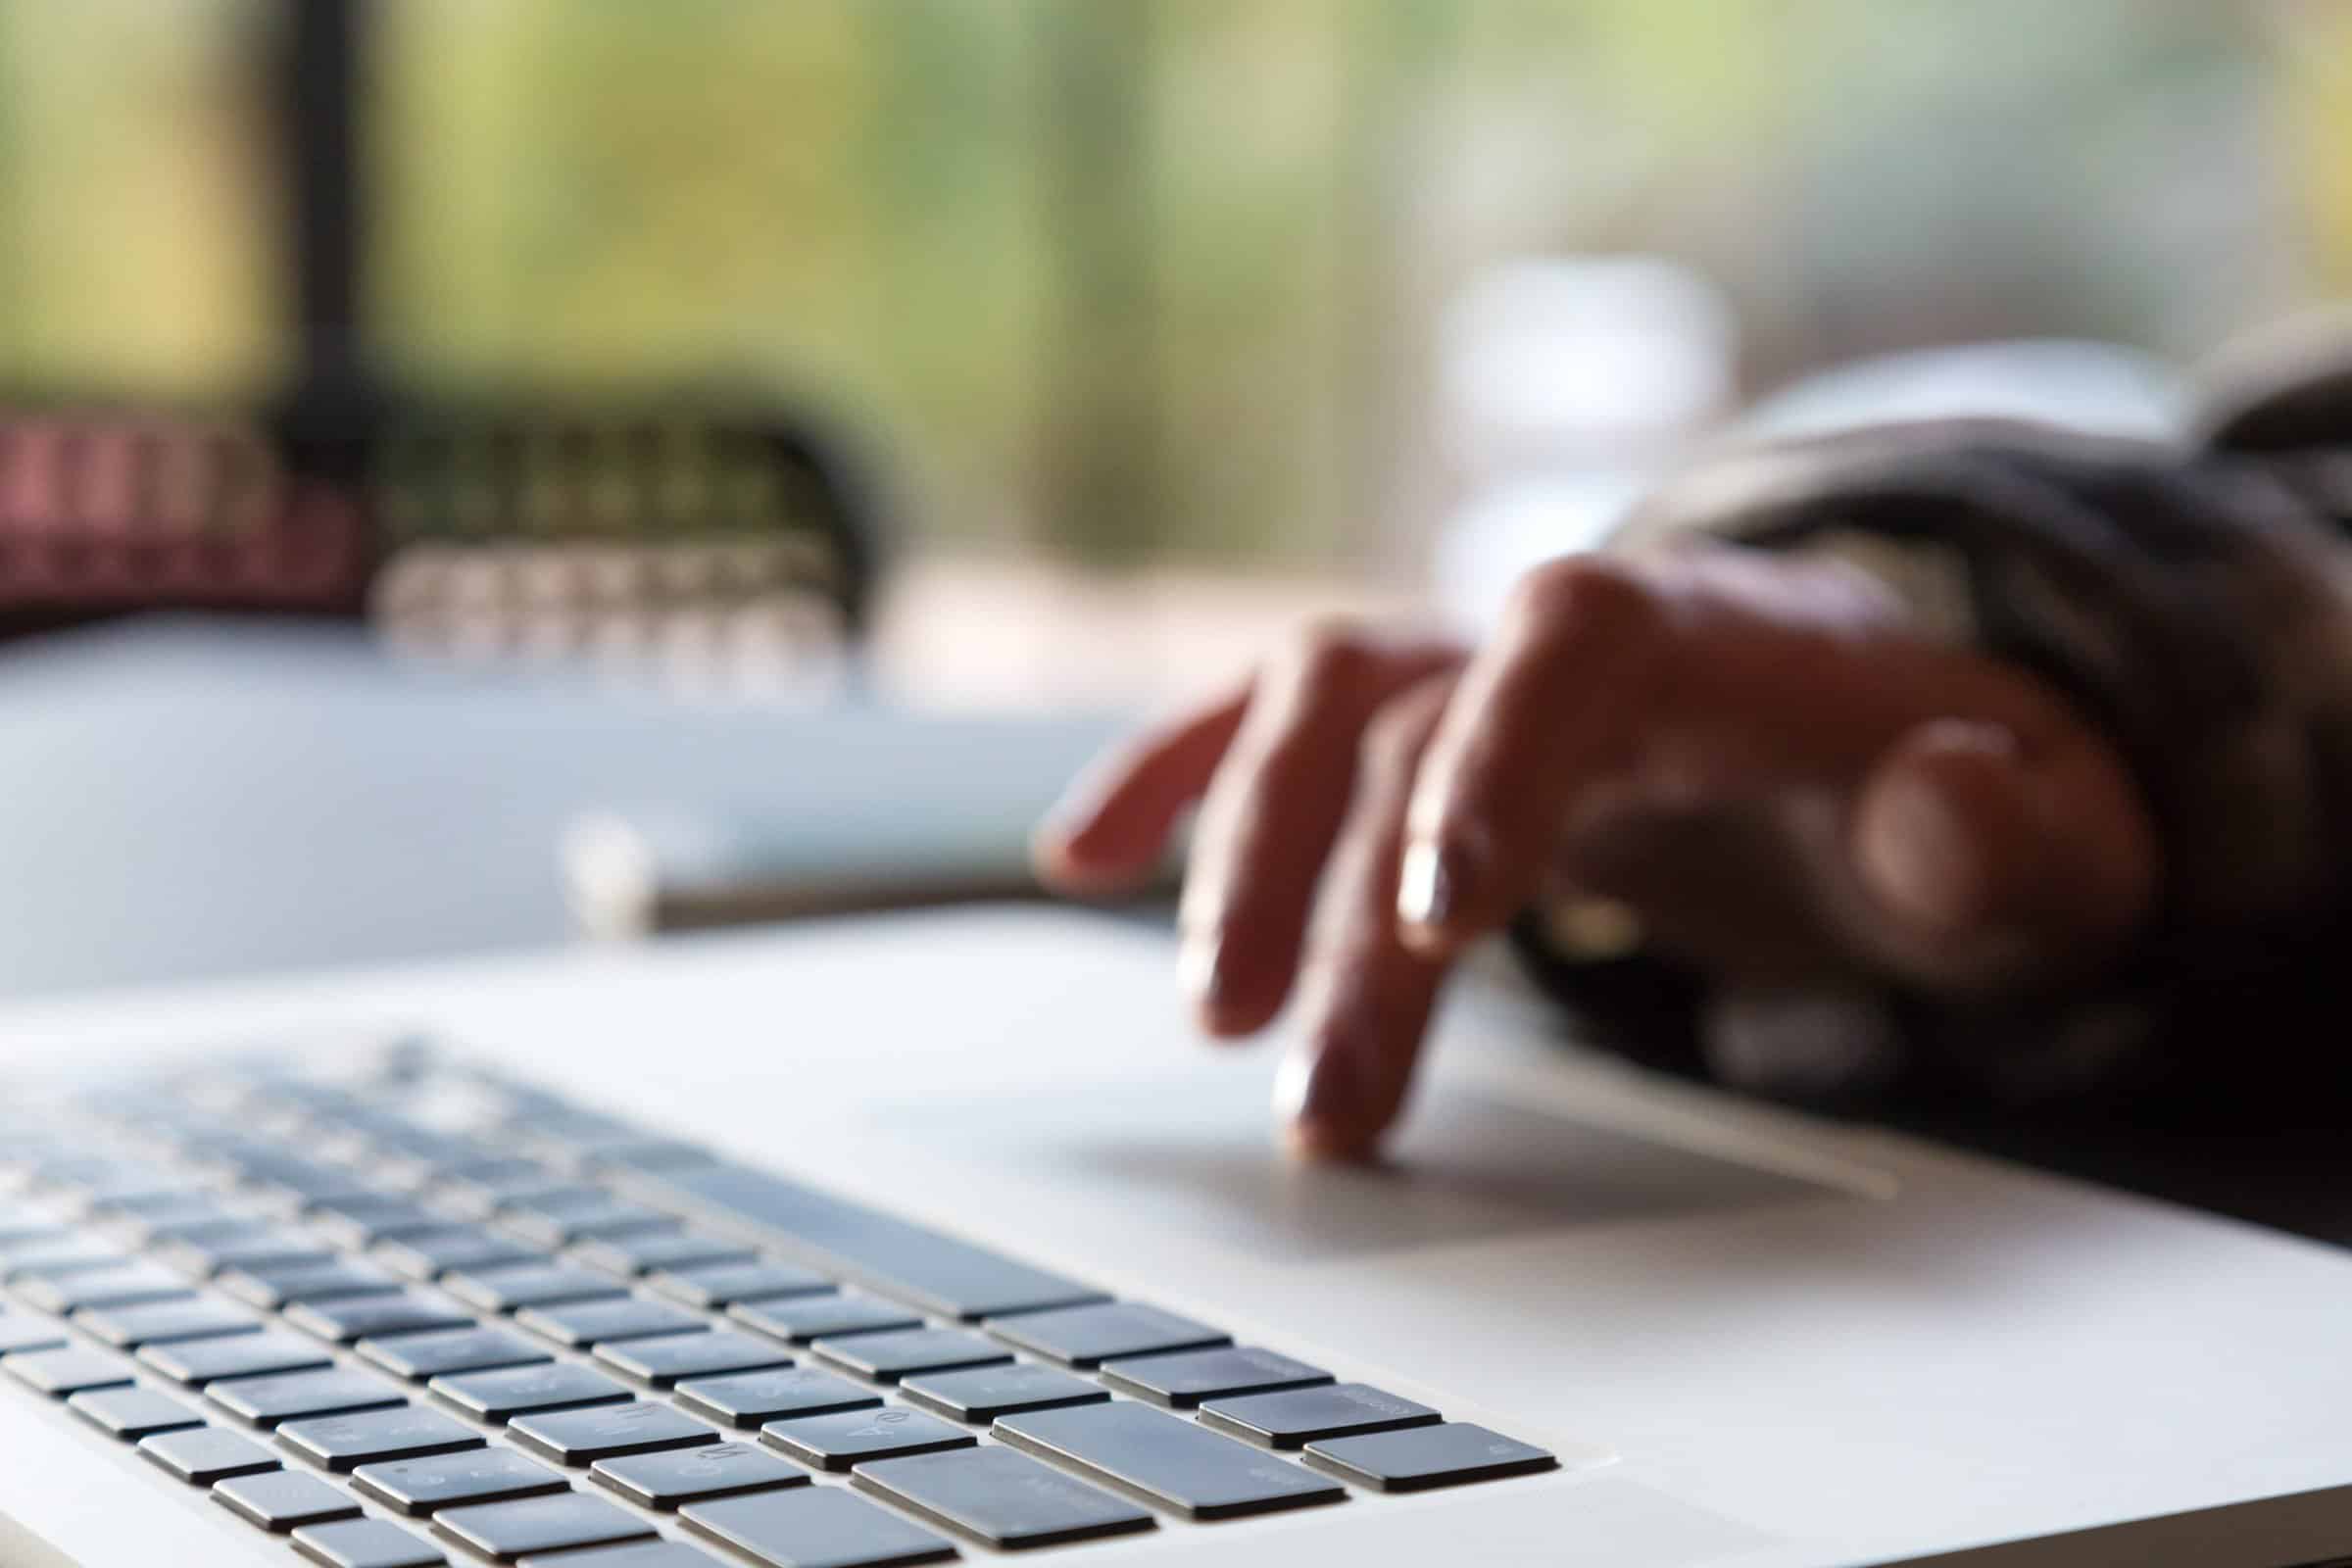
(1989, 861)
(1271, 814)
(1368, 997)
(1111, 826)
(1552, 701)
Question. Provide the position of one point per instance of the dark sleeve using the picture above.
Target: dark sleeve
(2194, 600)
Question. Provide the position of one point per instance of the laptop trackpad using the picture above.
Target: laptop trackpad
(1195, 1153)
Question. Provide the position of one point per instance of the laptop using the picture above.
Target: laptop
(937, 1238)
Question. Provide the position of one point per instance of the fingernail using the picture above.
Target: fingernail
(1430, 885)
(1321, 1102)
(1200, 967)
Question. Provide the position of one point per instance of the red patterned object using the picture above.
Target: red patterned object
(102, 514)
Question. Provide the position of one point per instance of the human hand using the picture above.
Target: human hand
(1762, 757)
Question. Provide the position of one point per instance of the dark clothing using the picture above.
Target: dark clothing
(2194, 600)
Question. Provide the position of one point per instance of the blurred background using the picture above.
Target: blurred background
(999, 358)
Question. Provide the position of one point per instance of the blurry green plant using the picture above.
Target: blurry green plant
(1147, 279)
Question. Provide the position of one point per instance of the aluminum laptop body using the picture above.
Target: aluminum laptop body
(1747, 1339)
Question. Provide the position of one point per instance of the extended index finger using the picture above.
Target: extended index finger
(1112, 825)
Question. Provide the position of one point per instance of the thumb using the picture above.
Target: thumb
(1992, 862)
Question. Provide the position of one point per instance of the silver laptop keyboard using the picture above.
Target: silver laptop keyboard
(420, 1313)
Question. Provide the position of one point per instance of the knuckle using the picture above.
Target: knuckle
(1326, 659)
(1584, 597)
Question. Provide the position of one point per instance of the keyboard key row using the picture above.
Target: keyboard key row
(505, 1504)
(936, 1272)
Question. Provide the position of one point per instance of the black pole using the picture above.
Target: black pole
(322, 88)
(328, 409)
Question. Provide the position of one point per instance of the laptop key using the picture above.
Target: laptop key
(349, 1318)
(185, 1212)
(811, 1525)
(130, 1414)
(1089, 1336)
(805, 1318)
(646, 1252)
(154, 1230)
(503, 1290)
(1186, 1378)
(338, 1390)
(249, 1247)
(1005, 1499)
(889, 1356)
(453, 1249)
(204, 1455)
(939, 1272)
(672, 1358)
(197, 1362)
(64, 1373)
(983, 1393)
(281, 1500)
(603, 1432)
(137, 1284)
(23, 1222)
(581, 1324)
(359, 1222)
(1169, 1459)
(680, 1476)
(853, 1437)
(483, 1190)
(420, 1357)
(498, 1397)
(505, 1530)
(753, 1398)
(1300, 1416)
(366, 1544)
(1422, 1457)
(21, 1334)
(637, 1554)
(347, 1442)
(635, 1151)
(52, 1256)
(711, 1286)
(127, 1328)
(275, 1288)
(555, 1222)
(420, 1487)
